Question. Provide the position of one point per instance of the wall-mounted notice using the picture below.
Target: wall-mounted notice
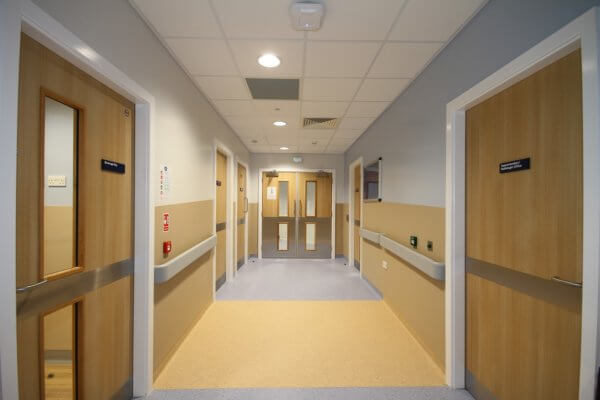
(57, 181)
(164, 182)
(271, 193)
(166, 221)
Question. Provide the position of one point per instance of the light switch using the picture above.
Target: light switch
(57, 181)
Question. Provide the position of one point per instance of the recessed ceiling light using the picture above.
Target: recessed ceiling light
(269, 60)
(280, 123)
(284, 148)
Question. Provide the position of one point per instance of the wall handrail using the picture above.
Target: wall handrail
(432, 268)
(168, 270)
(370, 235)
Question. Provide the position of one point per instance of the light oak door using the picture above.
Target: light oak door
(296, 215)
(356, 222)
(242, 215)
(74, 232)
(221, 228)
(524, 238)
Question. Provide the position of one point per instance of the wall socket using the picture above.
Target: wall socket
(414, 241)
(384, 264)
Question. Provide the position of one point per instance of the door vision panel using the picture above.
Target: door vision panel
(74, 232)
(524, 238)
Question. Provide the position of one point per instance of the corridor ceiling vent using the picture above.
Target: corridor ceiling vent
(320, 123)
(307, 16)
(274, 89)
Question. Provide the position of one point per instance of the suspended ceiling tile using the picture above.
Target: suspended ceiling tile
(366, 108)
(339, 59)
(348, 133)
(290, 52)
(357, 19)
(330, 89)
(435, 20)
(256, 19)
(341, 142)
(203, 56)
(381, 89)
(184, 18)
(218, 87)
(277, 108)
(235, 107)
(310, 134)
(403, 60)
(320, 109)
(356, 123)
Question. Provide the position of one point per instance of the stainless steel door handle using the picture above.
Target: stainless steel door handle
(29, 287)
(245, 204)
(568, 283)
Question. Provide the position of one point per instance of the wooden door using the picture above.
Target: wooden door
(74, 232)
(314, 214)
(221, 227)
(279, 213)
(524, 231)
(357, 216)
(242, 212)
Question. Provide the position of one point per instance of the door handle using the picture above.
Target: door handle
(566, 282)
(245, 204)
(24, 289)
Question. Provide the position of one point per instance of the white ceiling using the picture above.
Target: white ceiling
(365, 54)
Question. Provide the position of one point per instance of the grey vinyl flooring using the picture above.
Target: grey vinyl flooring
(296, 279)
(400, 393)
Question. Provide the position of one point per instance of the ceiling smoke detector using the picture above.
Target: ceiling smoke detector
(306, 16)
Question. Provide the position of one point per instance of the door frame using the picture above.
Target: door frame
(229, 212)
(245, 165)
(581, 32)
(18, 16)
(353, 165)
(333, 200)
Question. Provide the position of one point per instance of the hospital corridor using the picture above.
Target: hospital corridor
(300, 199)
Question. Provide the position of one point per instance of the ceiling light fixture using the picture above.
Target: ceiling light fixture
(280, 123)
(284, 148)
(269, 60)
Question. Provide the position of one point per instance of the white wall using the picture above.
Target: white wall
(282, 162)
(186, 124)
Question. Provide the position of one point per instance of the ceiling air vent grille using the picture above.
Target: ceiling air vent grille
(320, 123)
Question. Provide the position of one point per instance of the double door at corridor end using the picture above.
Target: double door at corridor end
(296, 214)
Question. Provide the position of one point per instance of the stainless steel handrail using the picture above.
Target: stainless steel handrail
(566, 282)
(24, 289)
(168, 270)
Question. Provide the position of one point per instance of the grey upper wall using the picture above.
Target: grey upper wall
(410, 135)
(185, 122)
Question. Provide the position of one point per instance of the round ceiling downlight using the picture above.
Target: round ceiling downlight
(280, 123)
(269, 60)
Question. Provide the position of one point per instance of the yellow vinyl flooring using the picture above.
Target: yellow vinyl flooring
(252, 344)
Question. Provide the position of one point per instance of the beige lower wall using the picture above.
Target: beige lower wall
(180, 302)
(414, 297)
(252, 229)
